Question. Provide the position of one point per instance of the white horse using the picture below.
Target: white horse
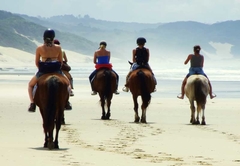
(197, 89)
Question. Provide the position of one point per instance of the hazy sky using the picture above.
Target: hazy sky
(144, 11)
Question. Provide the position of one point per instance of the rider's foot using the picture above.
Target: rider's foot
(116, 92)
(71, 93)
(93, 93)
(125, 89)
(32, 107)
(68, 106)
(180, 96)
(212, 96)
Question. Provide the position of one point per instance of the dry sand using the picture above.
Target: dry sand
(85, 140)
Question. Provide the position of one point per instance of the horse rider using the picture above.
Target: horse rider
(48, 58)
(65, 60)
(101, 59)
(196, 67)
(140, 59)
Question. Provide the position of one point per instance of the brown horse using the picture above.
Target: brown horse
(105, 83)
(51, 97)
(197, 89)
(141, 83)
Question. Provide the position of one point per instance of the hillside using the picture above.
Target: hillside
(172, 40)
(22, 34)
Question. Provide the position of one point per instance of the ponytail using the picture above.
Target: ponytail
(48, 42)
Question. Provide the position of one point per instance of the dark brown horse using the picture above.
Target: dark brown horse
(51, 97)
(105, 83)
(197, 89)
(141, 83)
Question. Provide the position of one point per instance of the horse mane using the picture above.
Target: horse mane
(146, 96)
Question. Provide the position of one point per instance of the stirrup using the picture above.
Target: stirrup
(116, 92)
(71, 93)
(93, 93)
(125, 89)
(68, 106)
(32, 107)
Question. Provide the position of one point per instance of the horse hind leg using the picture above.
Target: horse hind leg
(203, 116)
(108, 111)
(143, 118)
(192, 107)
(58, 126)
(45, 145)
(103, 108)
(198, 112)
(137, 118)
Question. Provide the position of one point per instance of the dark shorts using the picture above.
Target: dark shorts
(195, 70)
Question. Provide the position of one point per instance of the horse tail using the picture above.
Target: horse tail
(200, 95)
(51, 104)
(145, 93)
(108, 78)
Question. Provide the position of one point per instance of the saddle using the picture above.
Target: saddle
(49, 66)
(100, 66)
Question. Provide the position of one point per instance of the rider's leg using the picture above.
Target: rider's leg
(69, 76)
(31, 85)
(66, 74)
(126, 88)
(90, 80)
(210, 90)
(182, 88)
(116, 92)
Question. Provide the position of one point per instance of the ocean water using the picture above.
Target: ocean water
(225, 83)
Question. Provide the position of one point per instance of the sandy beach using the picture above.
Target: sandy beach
(85, 140)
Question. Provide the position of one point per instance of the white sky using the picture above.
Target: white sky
(143, 11)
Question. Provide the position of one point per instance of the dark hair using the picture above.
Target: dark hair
(56, 41)
(141, 41)
(196, 48)
(103, 43)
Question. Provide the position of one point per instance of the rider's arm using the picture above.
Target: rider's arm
(64, 56)
(202, 60)
(109, 56)
(37, 57)
(60, 58)
(133, 56)
(188, 59)
(95, 58)
(148, 54)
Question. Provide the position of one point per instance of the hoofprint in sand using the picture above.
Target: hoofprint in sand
(167, 138)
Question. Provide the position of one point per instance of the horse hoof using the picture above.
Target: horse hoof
(45, 145)
(51, 145)
(203, 123)
(103, 117)
(108, 116)
(56, 146)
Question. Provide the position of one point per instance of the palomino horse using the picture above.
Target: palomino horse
(105, 83)
(141, 83)
(51, 97)
(197, 89)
